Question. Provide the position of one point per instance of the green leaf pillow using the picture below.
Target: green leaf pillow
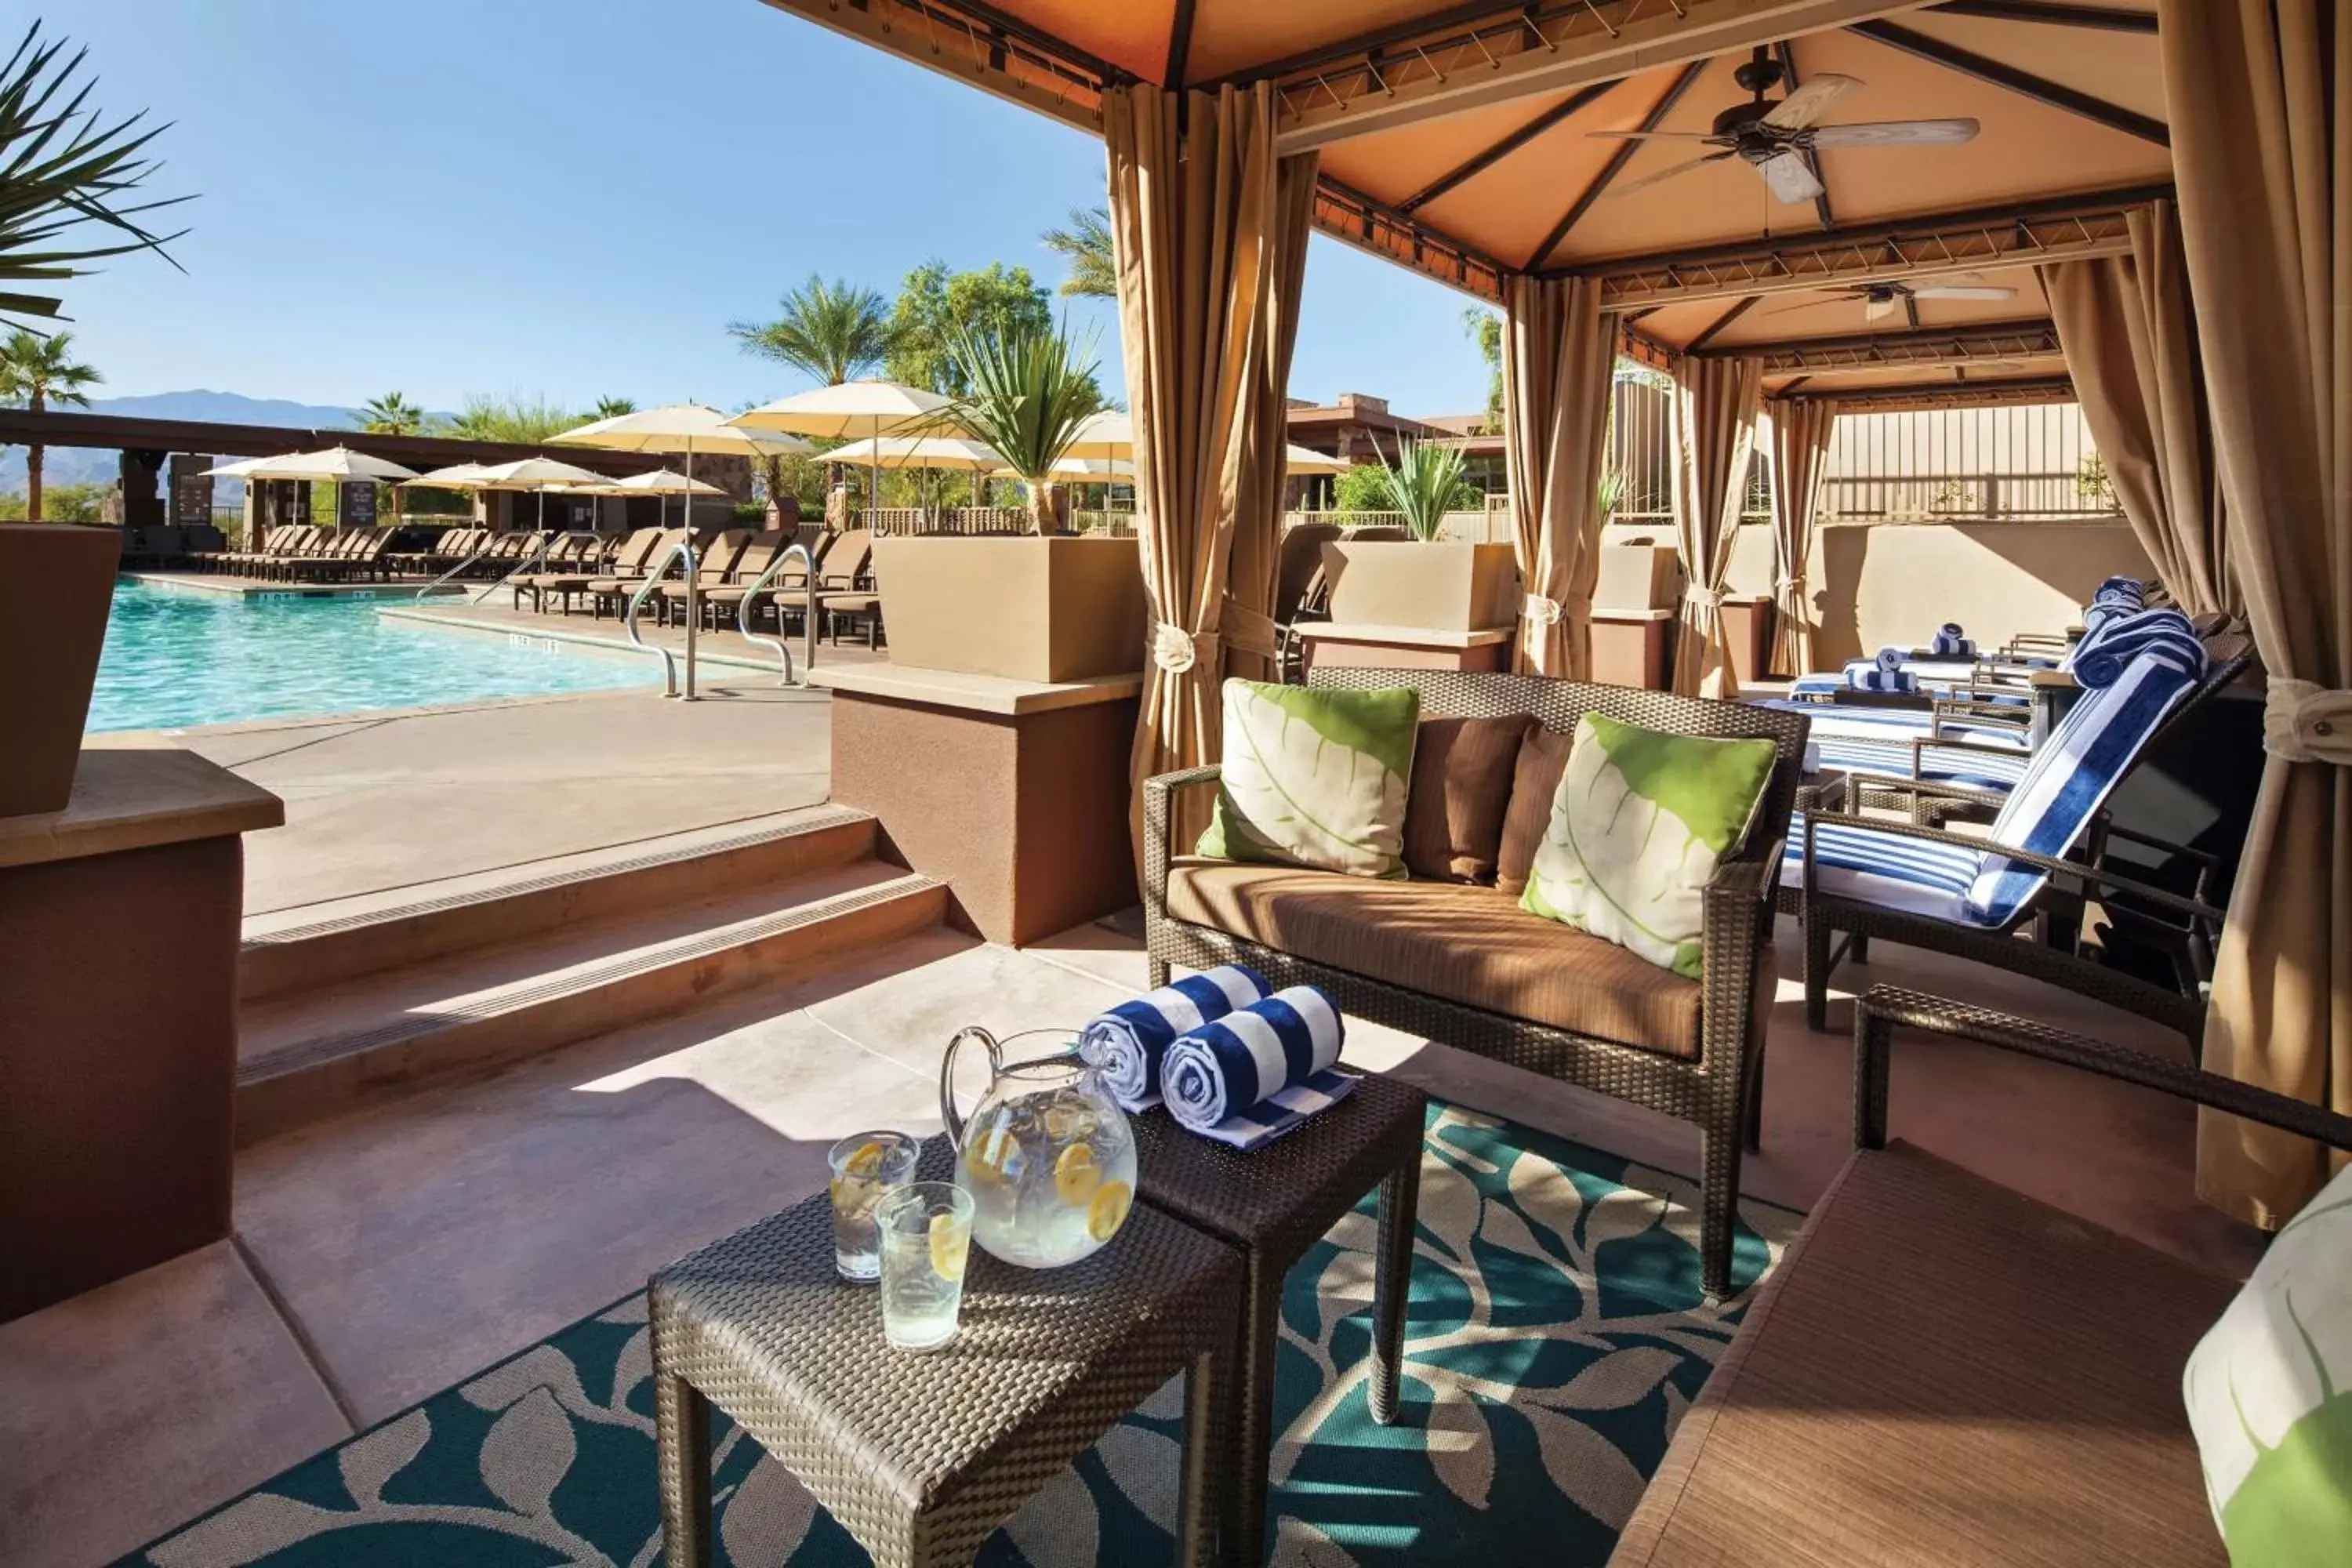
(1315, 777)
(1639, 824)
(2269, 1391)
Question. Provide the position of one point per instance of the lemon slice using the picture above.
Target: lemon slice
(1076, 1175)
(994, 1155)
(950, 1244)
(865, 1162)
(1108, 1211)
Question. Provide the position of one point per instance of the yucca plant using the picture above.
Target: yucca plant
(1424, 483)
(1613, 493)
(63, 165)
(1031, 391)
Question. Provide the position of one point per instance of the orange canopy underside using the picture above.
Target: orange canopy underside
(1494, 169)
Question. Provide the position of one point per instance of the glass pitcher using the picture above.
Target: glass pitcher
(1047, 1155)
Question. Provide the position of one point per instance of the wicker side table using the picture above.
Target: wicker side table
(1273, 1203)
(920, 1456)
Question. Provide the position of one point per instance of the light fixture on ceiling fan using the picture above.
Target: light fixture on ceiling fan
(1880, 300)
(1774, 137)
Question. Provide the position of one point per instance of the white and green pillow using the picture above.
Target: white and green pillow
(1639, 824)
(2269, 1390)
(1315, 777)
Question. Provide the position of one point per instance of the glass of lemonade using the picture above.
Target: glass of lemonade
(925, 1241)
(866, 1167)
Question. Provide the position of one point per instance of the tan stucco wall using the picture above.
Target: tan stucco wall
(1895, 584)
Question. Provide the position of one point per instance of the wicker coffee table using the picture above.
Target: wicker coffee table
(1273, 1203)
(920, 1456)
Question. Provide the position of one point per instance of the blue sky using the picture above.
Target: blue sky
(573, 198)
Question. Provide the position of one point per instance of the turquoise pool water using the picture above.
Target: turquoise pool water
(176, 658)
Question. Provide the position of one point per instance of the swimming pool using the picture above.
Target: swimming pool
(177, 657)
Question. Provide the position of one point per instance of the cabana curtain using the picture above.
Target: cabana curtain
(2130, 338)
(1801, 453)
(1716, 404)
(2262, 151)
(1210, 232)
(1560, 357)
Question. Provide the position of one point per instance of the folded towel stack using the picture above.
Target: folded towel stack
(1886, 673)
(1128, 1044)
(1951, 642)
(1260, 1070)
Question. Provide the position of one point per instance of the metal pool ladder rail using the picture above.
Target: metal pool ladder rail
(808, 619)
(684, 548)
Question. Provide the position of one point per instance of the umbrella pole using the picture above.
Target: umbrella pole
(693, 613)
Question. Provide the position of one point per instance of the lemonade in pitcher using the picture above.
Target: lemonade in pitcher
(1049, 1157)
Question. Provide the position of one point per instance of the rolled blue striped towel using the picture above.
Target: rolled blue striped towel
(1126, 1044)
(2163, 634)
(1952, 642)
(2123, 586)
(1885, 673)
(1259, 1072)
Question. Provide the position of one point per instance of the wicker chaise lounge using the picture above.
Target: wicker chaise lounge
(1464, 965)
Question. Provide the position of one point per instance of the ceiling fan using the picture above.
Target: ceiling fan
(1774, 136)
(1880, 300)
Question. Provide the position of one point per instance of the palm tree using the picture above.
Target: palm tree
(835, 331)
(35, 372)
(394, 414)
(61, 166)
(613, 407)
(1086, 243)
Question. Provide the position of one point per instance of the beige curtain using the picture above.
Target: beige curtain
(2130, 339)
(1800, 453)
(2261, 151)
(1560, 356)
(1209, 230)
(1716, 404)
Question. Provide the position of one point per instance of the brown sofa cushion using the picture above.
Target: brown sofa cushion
(1468, 944)
(1945, 1371)
(1543, 757)
(1461, 771)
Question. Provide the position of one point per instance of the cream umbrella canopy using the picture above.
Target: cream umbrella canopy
(1109, 436)
(1306, 460)
(682, 429)
(337, 464)
(850, 409)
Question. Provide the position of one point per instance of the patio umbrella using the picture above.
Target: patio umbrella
(683, 429)
(851, 408)
(339, 465)
(1305, 461)
(661, 483)
(456, 477)
(1107, 434)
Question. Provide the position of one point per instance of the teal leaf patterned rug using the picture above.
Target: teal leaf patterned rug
(1555, 1336)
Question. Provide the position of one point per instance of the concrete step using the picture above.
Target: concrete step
(325, 1050)
(326, 944)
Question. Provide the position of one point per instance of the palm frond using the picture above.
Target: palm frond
(835, 331)
(1086, 244)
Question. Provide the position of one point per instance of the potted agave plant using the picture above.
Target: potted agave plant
(1048, 607)
(1428, 583)
(63, 168)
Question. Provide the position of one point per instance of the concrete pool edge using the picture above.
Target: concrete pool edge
(234, 587)
(539, 636)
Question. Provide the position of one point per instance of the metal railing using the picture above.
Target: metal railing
(457, 571)
(808, 619)
(683, 549)
(535, 560)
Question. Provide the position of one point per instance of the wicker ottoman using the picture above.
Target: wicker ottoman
(920, 1456)
(1273, 1203)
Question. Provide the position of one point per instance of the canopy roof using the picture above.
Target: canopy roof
(1458, 138)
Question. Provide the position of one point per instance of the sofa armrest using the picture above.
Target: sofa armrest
(1159, 809)
(1736, 927)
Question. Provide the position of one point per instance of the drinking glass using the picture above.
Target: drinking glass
(867, 1166)
(925, 1241)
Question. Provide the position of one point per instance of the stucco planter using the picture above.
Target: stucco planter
(1440, 586)
(1637, 577)
(1065, 607)
(56, 586)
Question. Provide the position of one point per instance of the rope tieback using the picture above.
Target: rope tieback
(1540, 611)
(2303, 722)
(1705, 599)
(1175, 649)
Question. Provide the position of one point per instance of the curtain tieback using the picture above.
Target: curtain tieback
(1708, 599)
(1795, 584)
(1175, 651)
(1537, 610)
(2303, 722)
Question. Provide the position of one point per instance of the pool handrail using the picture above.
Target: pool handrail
(535, 559)
(480, 550)
(783, 651)
(683, 549)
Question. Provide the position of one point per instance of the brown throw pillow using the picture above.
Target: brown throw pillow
(1543, 757)
(1453, 806)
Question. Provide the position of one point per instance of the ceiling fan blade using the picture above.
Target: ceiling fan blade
(1878, 309)
(1790, 180)
(1896, 133)
(1804, 304)
(1810, 102)
(1944, 291)
(1652, 136)
(1663, 175)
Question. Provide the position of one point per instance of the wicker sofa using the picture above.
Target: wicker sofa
(1462, 965)
(1942, 1370)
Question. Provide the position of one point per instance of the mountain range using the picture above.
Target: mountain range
(86, 464)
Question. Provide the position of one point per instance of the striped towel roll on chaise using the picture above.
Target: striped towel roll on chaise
(1127, 1045)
